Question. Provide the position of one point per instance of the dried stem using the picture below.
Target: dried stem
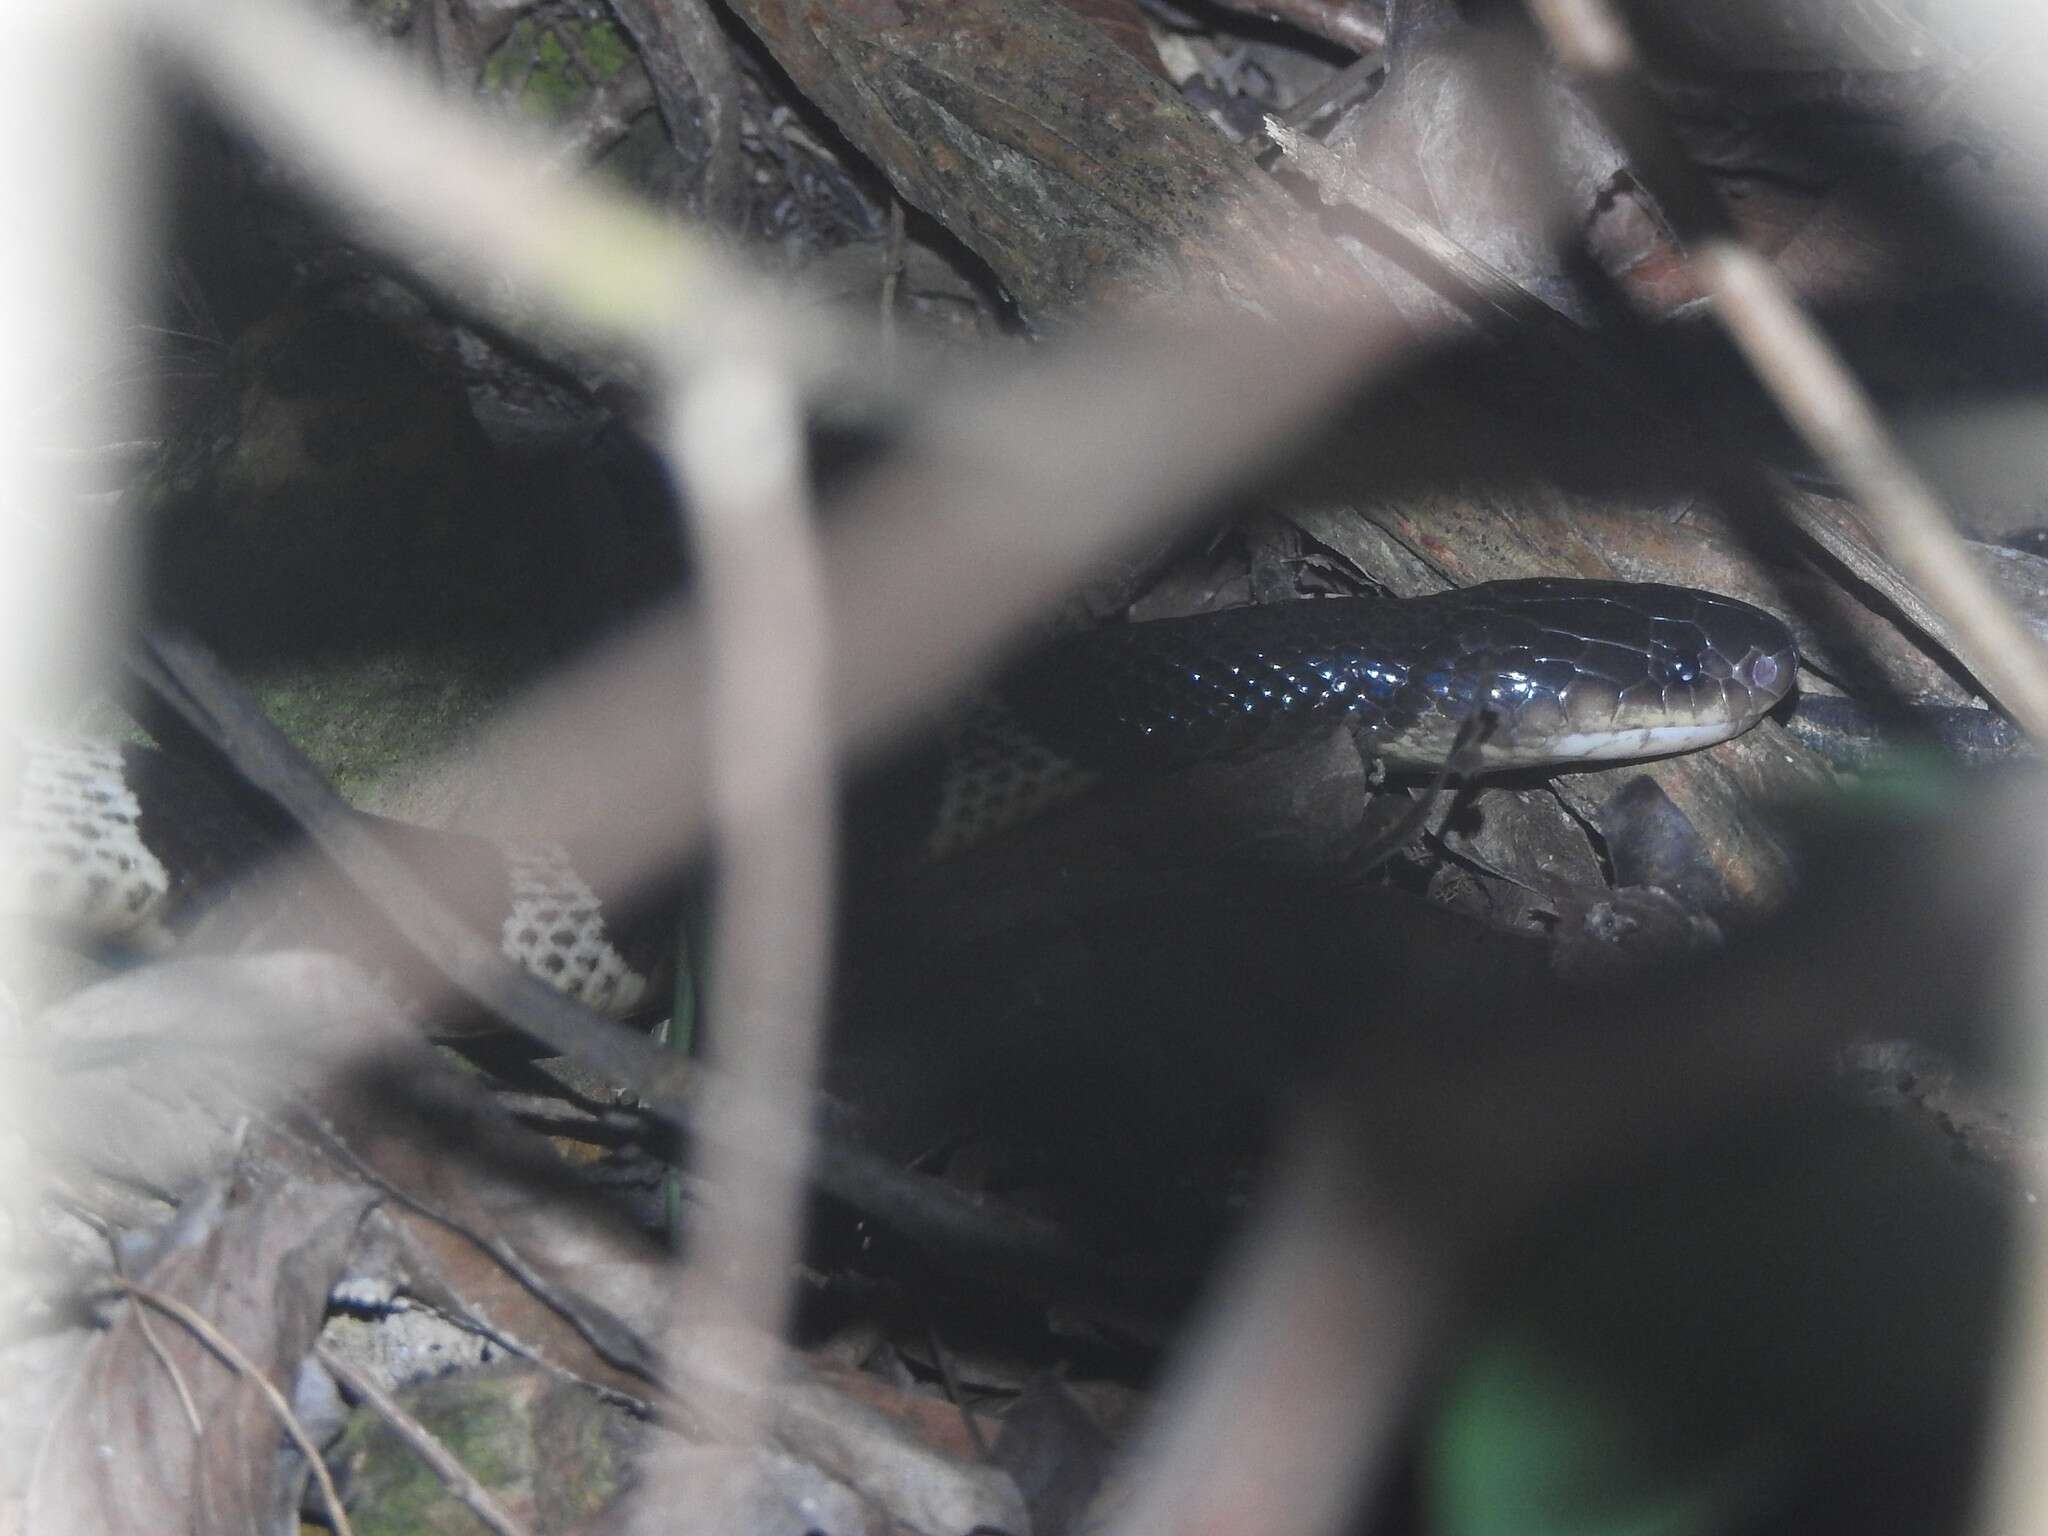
(243, 1366)
(442, 1462)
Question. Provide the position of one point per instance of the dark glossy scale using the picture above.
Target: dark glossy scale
(1570, 670)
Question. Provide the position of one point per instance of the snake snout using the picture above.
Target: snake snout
(1712, 672)
(1634, 670)
(1756, 648)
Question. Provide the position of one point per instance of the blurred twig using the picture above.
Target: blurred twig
(1285, 1402)
(737, 441)
(460, 200)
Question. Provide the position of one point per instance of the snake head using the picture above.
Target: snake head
(1591, 672)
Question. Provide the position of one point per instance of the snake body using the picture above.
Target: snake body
(120, 842)
(125, 845)
(1559, 673)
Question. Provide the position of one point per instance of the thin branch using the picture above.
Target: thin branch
(612, 1341)
(156, 1347)
(150, 1336)
(442, 1462)
(242, 1365)
(1343, 88)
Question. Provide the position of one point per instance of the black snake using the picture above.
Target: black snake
(124, 845)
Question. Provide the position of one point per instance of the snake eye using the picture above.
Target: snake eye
(1679, 667)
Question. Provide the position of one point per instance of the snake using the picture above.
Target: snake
(119, 843)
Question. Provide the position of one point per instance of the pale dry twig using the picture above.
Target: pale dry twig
(243, 1366)
(737, 441)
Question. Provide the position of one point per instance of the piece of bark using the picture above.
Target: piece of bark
(1081, 179)
(1482, 137)
(1123, 23)
(690, 65)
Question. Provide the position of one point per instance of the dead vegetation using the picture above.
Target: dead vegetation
(634, 422)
